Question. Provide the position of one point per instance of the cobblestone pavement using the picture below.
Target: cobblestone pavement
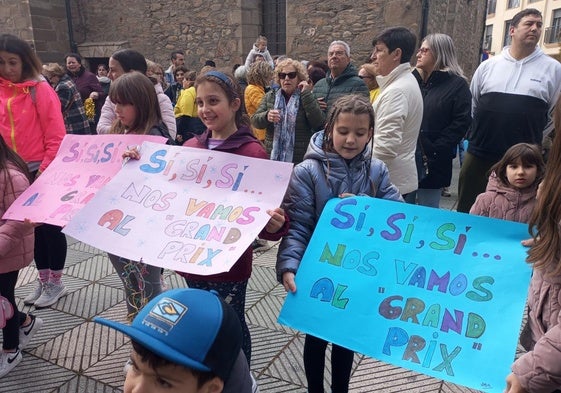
(73, 354)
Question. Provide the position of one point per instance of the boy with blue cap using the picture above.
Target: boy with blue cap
(185, 340)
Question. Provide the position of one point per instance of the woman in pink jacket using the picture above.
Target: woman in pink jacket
(539, 370)
(16, 252)
(31, 124)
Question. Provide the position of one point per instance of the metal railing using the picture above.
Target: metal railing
(552, 35)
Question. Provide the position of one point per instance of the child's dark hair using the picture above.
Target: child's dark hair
(232, 90)
(31, 65)
(155, 361)
(135, 88)
(527, 154)
(8, 156)
(354, 104)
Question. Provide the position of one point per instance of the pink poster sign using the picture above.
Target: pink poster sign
(84, 164)
(185, 209)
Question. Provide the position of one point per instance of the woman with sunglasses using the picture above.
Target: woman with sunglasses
(291, 114)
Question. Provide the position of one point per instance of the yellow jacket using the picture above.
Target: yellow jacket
(186, 105)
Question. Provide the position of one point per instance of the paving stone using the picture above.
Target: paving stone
(84, 384)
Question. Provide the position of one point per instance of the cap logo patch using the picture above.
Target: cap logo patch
(165, 315)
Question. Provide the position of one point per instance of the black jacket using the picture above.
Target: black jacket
(446, 119)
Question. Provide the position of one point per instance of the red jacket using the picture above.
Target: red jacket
(244, 143)
(31, 121)
(16, 238)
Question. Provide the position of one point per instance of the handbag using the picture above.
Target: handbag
(421, 161)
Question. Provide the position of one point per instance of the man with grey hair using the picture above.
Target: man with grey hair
(341, 79)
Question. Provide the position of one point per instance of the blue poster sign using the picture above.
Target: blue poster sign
(438, 292)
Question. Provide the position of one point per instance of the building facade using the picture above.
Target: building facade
(500, 13)
(224, 30)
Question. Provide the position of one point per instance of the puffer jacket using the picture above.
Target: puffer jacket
(16, 238)
(31, 121)
(539, 370)
(319, 178)
(348, 82)
(309, 119)
(506, 203)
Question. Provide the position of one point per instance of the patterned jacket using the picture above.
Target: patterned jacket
(73, 111)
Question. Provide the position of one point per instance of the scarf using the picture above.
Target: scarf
(285, 129)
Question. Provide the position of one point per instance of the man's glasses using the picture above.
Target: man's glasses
(291, 75)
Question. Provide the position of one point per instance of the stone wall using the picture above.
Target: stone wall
(42, 23)
(224, 30)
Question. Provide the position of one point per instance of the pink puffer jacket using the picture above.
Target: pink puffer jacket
(16, 238)
(506, 203)
(539, 370)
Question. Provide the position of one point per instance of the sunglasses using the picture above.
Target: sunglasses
(291, 75)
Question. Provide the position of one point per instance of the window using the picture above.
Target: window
(487, 40)
(513, 3)
(274, 26)
(553, 32)
(533, 1)
(507, 38)
(491, 6)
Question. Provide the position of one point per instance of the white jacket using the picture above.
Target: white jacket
(399, 113)
(108, 116)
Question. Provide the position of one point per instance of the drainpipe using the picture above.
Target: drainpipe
(424, 18)
(73, 46)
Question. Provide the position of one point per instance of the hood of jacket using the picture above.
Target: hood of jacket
(384, 81)
(242, 136)
(511, 194)
(528, 59)
(332, 160)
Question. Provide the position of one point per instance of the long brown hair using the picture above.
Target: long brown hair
(31, 65)
(544, 225)
(10, 157)
(135, 88)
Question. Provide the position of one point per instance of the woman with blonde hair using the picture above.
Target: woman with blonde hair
(291, 114)
(367, 74)
(258, 80)
(446, 115)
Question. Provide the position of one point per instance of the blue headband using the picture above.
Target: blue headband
(220, 76)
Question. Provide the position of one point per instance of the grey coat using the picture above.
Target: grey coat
(320, 177)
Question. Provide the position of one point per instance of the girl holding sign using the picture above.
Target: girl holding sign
(539, 370)
(338, 163)
(16, 252)
(32, 125)
(138, 112)
(219, 107)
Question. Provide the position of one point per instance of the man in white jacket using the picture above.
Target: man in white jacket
(398, 108)
(513, 96)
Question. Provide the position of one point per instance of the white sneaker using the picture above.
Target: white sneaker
(35, 293)
(9, 360)
(26, 333)
(50, 295)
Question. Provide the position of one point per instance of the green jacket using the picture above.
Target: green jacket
(310, 118)
(346, 83)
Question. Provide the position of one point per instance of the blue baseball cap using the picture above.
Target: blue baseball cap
(190, 327)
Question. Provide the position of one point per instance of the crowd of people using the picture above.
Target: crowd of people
(387, 129)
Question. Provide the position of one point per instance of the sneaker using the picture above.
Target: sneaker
(260, 245)
(26, 333)
(9, 360)
(50, 295)
(127, 367)
(35, 294)
(445, 192)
